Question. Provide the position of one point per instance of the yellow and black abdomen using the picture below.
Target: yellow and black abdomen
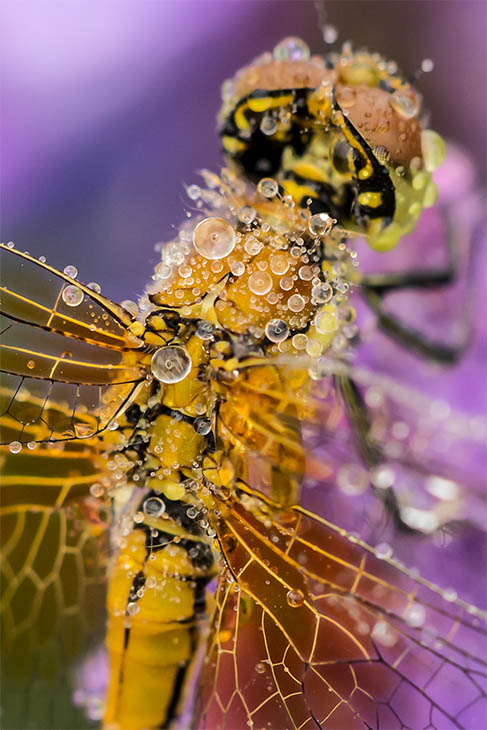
(156, 603)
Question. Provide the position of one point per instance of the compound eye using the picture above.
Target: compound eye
(342, 157)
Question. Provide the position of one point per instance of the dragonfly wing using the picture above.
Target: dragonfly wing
(53, 579)
(62, 343)
(313, 630)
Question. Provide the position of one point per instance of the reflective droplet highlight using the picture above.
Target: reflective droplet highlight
(214, 238)
(291, 48)
(295, 598)
(260, 283)
(171, 364)
(154, 507)
(72, 296)
(268, 187)
(276, 330)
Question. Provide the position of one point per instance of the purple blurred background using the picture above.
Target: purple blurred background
(109, 107)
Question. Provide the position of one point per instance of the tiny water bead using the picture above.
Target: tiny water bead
(171, 364)
(154, 507)
(71, 271)
(295, 303)
(268, 187)
(205, 330)
(279, 263)
(214, 238)
(295, 598)
(406, 106)
(320, 224)
(130, 306)
(276, 330)
(291, 48)
(94, 287)
(268, 125)
(72, 295)
(202, 426)
(260, 283)
(15, 447)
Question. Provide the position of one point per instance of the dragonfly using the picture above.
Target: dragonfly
(156, 456)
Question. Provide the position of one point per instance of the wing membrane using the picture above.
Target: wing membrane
(53, 577)
(313, 630)
(67, 369)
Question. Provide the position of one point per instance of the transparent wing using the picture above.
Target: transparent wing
(53, 548)
(349, 431)
(62, 344)
(313, 630)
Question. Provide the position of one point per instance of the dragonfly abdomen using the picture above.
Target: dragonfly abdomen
(155, 604)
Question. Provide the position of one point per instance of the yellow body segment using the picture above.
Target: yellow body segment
(150, 639)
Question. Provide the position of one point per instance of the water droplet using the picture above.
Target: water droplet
(427, 65)
(204, 330)
(246, 214)
(202, 426)
(132, 608)
(163, 271)
(193, 191)
(295, 303)
(31, 364)
(432, 148)
(305, 273)
(96, 490)
(383, 550)
(252, 246)
(237, 268)
(268, 125)
(295, 598)
(415, 615)
(71, 271)
(32, 445)
(330, 33)
(322, 293)
(320, 224)
(260, 283)
(279, 263)
(94, 287)
(276, 330)
(130, 307)
(291, 48)
(154, 507)
(406, 106)
(72, 295)
(326, 323)
(214, 238)
(384, 634)
(171, 364)
(382, 477)
(260, 668)
(268, 187)
(15, 447)
(83, 430)
(450, 594)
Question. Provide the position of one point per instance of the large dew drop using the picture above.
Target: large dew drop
(276, 330)
(214, 238)
(291, 49)
(171, 364)
(72, 296)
